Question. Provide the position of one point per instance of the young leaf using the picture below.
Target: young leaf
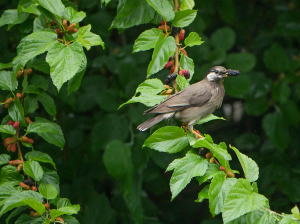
(146, 40)
(33, 45)
(75, 81)
(71, 15)
(164, 8)
(261, 217)
(218, 191)
(48, 191)
(41, 157)
(184, 18)
(4, 159)
(241, 200)
(211, 171)
(190, 166)
(16, 112)
(210, 117)
(87, 38)
(47, 102)
(54, 6)
(56, 138)
(50, 177)
(42, 128)
(9, 174)
(188, 64)
(8, 81)
(148, 90)
(8, 129)
(249, 166)
(164, 48)
(220, 153)
(193, 39)
(64, 62)
(35, 204)
(295, 211)
(168, 139)
(33, 169)
(132, 13)
(182, 82)
(203, 194)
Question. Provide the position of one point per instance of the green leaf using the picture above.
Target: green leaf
(163, 8)
(39, 82)
(71, 15)
(15, 213)
(193, 39)
(25, 219)
(16, 111)
(43, 128)
(5, 65)
(203, 194)
(54, 213)
(218, 191)
(48, 191)
(71, 219)
(16, 200)
(47, 102)
(54, 6)
(164, 48)
(243, 62)
(75, 81)
(241, 200)
(186, 4)
(281, 92)
(64, 62)
(288, 220)
(211, 171)
(40, 156)
(190, 166)
(147, 40)
(223, 38)
(256, 107)
(4, 159)
(148, 90)
(51, 137)
(33, 169)
(117, 160)
(39, 23)
(8, 81)
(8, 129)
(249, 166)
(63, 202)
(50, 177)
(295, 211)
(168, 139)
(220, 153)
(35, 204)
(210, 117)
(12, 17)
(10, 174)
(182, 82)
(33, 45)
(276, 129)
(87, 38)
(261, 217)
(30, 103)
(132, 13)
(188, 64)
(184, 18)
(291, 112)
(276, 59)
(41, 66)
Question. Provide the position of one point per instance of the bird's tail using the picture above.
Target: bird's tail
(150, 122)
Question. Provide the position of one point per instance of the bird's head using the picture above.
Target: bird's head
(219, 73)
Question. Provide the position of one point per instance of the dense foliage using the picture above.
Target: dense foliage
(103, 166)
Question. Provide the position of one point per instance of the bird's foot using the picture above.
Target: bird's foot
(197, 133)
(184, 125)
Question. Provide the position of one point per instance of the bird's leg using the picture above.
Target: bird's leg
(198, 135)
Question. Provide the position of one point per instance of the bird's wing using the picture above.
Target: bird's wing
(194, 95)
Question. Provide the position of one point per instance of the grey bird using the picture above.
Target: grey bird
(193, 103)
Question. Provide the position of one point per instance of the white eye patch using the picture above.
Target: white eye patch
(212, 76)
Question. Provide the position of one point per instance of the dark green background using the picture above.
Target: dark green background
(260, 38)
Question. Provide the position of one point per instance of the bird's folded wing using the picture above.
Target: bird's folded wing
(189, 97)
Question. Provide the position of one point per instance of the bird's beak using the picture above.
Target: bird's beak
(230, 72)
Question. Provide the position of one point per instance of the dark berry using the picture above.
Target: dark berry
(175, 30)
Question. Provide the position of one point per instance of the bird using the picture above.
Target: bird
(193, 103)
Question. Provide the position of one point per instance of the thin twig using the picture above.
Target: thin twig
(176, 57)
